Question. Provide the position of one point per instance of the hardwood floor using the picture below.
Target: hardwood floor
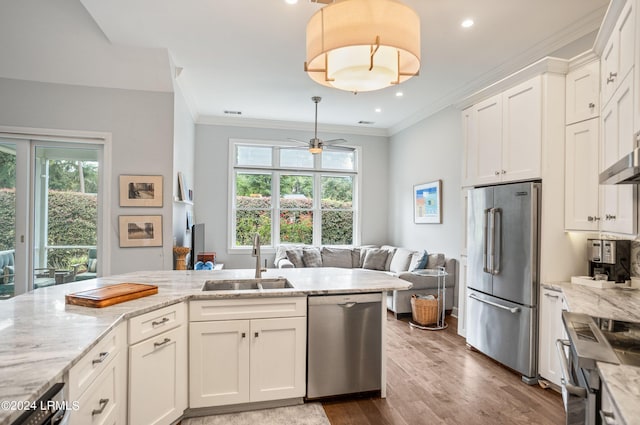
(433, 378)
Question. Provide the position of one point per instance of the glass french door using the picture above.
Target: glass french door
(49, 208)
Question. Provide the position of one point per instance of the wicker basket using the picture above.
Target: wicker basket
(424, 311)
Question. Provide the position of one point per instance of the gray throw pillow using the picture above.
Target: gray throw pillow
(336, 257)
(418, 260)
(295, 256)
(435, 260)
(311, 257)
(390, 251)
(375, 259)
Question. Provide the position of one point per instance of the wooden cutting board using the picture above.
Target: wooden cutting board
(112, 294)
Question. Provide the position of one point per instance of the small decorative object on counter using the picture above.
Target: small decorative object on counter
(203, 266)
(181, 255)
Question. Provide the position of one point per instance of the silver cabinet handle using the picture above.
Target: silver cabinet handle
(103, 404)
(592, 105)
(161, 322)
(347, 305)
(612, 77)
(609, 217)
(509, 309)
(504, 171)
(256, 334)
(566, 380)
(496, 253)
(546, 294)
(497, 173)
(485, 241)
(244, 335)
(101, 357)
(608, 418)
(160, 344)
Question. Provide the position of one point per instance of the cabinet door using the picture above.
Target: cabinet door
(522, 131)
(619, 54)
(278, 358)
(551, 329)
(158, 378)
(583, 93)
(618, 209)
(609, 69)
(581, 176)
(219, 363)
(470, 146)
(487, 138)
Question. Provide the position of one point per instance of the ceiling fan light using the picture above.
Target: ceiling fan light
(315, 150)
(348, 37)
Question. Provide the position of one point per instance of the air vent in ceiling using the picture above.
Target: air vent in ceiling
(232, 112)
(366, 122)
(321, 1)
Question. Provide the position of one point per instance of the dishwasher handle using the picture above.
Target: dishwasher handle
(347, 305)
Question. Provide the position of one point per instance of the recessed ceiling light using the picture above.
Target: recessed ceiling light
(229, 112)
(366, 122)
(467, 23)
(399, 94)
(378, 110)
(291, 1)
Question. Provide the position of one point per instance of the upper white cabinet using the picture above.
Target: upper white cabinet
(619, 52)
(618, 208)
(581, 180)
(583, 93)
(503, 136)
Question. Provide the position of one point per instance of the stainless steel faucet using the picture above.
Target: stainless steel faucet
(255, 252)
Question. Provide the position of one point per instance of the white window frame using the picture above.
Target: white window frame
(276, 171)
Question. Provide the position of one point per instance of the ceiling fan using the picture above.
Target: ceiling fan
(316, 145)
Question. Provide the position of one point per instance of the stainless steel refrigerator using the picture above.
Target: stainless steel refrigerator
(502, 274)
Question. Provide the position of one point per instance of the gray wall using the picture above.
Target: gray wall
(211, 184)
(141, 124)
(430, 150)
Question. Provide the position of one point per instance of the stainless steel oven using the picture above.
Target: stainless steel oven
(591, 340)
(50, 409)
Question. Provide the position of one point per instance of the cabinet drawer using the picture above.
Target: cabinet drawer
(103, 402)
(83, 373)
(247, 308)
(155, 322)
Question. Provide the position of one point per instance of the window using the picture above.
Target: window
(288, 195)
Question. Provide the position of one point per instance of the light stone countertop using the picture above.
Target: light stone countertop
(42, 337)
(618, 304)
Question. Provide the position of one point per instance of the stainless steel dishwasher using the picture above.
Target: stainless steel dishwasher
(345, 344)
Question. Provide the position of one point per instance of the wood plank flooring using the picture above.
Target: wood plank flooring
(433, 378)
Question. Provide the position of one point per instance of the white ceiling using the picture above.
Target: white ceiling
(248, 55)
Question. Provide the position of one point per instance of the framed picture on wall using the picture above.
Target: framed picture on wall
(140, 191)
(140, 230)
(427, 202)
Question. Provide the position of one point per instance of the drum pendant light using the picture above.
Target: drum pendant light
(363, 45)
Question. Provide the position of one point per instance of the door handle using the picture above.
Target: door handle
(485, 241)
(101, 357)
(160, 344)
(496, 236)
(347, 305)
(566, 380)
(509, 309)
(103, 403)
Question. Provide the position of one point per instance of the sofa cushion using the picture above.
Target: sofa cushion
(363, 252)
(390, 251)
(336, 257)
(400, 260)
(295, 256)
(418, 260)
(355, 258)
(311, 257)
(435, 260)
(375, 259)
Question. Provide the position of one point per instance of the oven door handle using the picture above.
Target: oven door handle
(566, 376)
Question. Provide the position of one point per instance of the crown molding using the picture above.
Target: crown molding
(582, 59)
(289, 125)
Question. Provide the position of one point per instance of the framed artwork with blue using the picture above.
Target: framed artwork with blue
(427, 202)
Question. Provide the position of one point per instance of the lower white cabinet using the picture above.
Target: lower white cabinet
(98, 382)
(158, 375)
(248, 359)
(551, 329)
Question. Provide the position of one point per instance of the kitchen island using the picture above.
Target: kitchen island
(42, 337)
(617, 304)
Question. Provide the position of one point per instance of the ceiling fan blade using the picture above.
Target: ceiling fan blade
(340, 148)
(298, 141)
(334, 141)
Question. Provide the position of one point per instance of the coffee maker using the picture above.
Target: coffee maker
(611, 258)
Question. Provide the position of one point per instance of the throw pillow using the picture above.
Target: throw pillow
(390, 251)
(418, 260)
(355, 258)
(336, 257)
(435, 260)
(363, 251)
(375, 259)
(8, 272)
(92, 265)
(295, 256)
(311, 257)
(400, 260)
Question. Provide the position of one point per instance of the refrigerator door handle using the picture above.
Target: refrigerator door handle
(510, 309)
(496, 235)
(485, 242)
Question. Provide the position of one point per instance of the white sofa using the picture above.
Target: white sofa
(388, 259)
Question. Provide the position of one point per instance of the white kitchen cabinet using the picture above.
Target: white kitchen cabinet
(581, 181)
(250, 358)
(470, 148)
(583, 93)
(619, 53)
(98, 383)
(503, 141)
(158, 372)
(618, 207)
(551, 329)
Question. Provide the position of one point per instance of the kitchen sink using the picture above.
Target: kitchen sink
(246, 284)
